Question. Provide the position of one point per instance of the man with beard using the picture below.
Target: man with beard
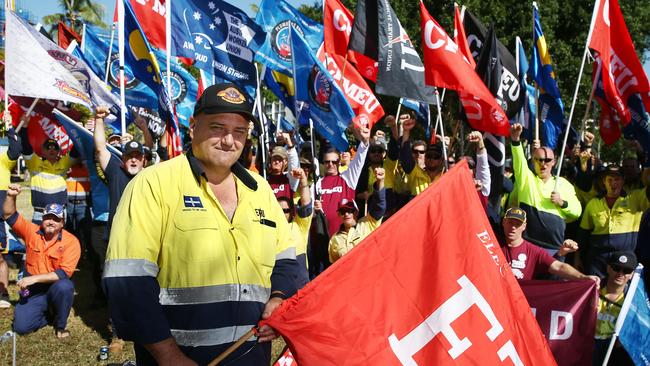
(52, 257)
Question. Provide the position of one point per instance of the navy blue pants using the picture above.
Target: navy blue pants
(31, 311)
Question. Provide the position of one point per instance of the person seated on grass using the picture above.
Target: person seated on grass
(52, 257)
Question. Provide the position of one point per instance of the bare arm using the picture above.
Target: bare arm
(99, 135)
(142, 125)
(166, 352)
(568, 272)
(9, 207)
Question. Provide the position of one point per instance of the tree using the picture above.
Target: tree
(77, 12)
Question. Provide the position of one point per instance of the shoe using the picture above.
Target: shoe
(4, 301)
(62, 333)
(116, 346)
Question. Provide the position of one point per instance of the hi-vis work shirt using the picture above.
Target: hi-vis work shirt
(342, 242)
(545, 221)
(48, 180)
(299, 228)
(177, 266)
(6, 165)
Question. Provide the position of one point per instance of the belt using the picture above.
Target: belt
(76, 201)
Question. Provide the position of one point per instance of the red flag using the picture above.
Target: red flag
(151, 15)
(66, 35)
(337, 24)
(445, 66)
(363, 101)
(434, 291)
(566, 313)
(286, 359)
(610, 129)
(461, 38)
(623, 73)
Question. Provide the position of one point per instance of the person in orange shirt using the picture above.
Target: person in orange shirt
(52, 257)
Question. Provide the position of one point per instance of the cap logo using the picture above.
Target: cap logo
(133, 144)
(231, 95)
(622, 259)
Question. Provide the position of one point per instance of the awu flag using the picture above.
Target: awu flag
(419, 300)
(38, 68)
(220, 37)
(447, 68)
(276, 17)
(184, 87)
(281, 85)
(95, 51)
(623, 74)
(66, 35)
(565, 311)
(317, 95)
(422, 113)
(85, 146)
(337, 24)
(378, 34)
(365, 105)
(551, 108)
(139, 56)
(634, 319)
(510, 90)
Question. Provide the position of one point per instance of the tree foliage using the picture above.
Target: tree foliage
(77, 12)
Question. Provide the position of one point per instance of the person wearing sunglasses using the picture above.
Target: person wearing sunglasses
(611, 222)
(620, 267)
(548, 210)
(353, 230)
(529, 261)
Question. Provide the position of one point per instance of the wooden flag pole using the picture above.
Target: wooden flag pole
(25, 120)
(234, 347)
(399, 125)
(588, 108)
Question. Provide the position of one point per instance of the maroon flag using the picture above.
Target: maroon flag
(566, 313)
(66, 35)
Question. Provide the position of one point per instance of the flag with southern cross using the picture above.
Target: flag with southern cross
(220, 37)
(276, 18)
(318, 97)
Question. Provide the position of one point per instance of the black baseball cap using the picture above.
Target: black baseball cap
(224, 98)
(51, 142)
(623, 259)
(614, 170)
(132, 146)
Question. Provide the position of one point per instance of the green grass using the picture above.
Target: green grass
(88, 325)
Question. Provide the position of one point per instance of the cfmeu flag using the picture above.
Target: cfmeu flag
(276, 17)
(317, 95)
(551, 108)
(220, 37)
(404, 297)
(632, 324)
(448, 68)
(378, 34)
(622, 73)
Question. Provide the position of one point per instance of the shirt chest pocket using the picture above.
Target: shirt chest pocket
(196, 239)
(54, 256)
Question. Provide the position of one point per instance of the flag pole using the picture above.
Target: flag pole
(168, 47)
(634, 283)
(400, 132)
(575, 95)
(442, 131)
(233, 347)
(6, 110)
(108, 56)
(24, 121)
(120, 42)
(588, 108)
(262, 119)
(536, 85)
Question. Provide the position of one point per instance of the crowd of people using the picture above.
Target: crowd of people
(197, 249)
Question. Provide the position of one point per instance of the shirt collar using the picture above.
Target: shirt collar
(237, 169)
(40, 232)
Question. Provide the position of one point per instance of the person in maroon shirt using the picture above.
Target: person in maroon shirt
(529, 261)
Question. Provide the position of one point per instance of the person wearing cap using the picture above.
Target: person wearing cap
(611, 222)
(283, 161)
(201, 250)
(376, 158)
(48, 174)
(529, 261)
(422, 164)
(353, 230)
(548, 211)
(620, 268)
(52, 257)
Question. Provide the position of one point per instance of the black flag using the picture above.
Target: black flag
(378, 34)
(489, 68)
(509, 92)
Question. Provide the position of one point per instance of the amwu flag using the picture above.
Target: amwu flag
(378, 34)
(337, 23)
(317, 95)
(276, 17)
(220, 37)
(405, 297)
(447, 68)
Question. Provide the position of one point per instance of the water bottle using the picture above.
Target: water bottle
(103, 353)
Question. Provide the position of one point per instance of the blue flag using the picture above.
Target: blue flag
(144, 65)
(526, 116)
(220, 37)
(551, 108)
(276, 18)
(318, 96)
(422, 113)
(281, 85)
(635, 333)
(184, 87)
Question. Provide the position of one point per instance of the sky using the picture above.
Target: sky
(39, 8)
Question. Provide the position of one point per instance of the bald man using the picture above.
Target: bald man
(548, 210)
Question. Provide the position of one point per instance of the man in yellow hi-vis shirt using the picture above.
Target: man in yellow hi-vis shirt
(200, 250)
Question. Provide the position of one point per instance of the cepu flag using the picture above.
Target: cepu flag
(221, 39)
(526, 116)
(276, 17)
(378, 34)
(405, 297)
(447, 68)
(510, 91)
(318, 96)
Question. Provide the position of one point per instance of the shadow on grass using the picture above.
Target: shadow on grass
(88, 306)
